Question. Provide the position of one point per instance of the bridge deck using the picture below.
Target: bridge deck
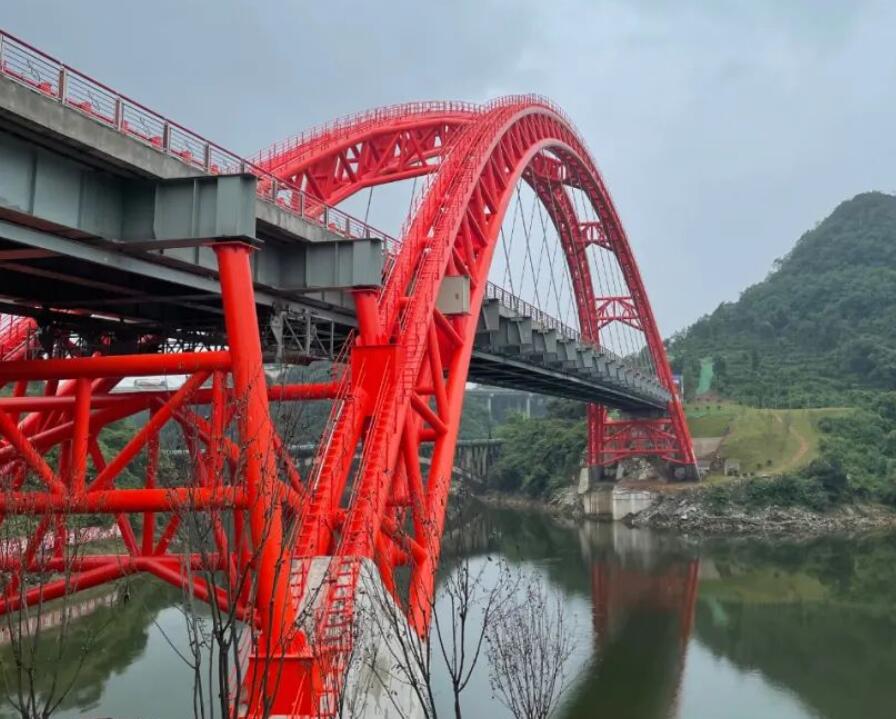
(102, 227)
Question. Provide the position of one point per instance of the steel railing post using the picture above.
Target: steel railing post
(63, 77)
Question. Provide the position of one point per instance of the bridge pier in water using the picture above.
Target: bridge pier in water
(607, 500)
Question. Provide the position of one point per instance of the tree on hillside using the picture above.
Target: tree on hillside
(539, 455)
(820, 326)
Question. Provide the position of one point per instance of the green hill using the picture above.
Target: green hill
(819, 331)
(808, 357)
(819, 328)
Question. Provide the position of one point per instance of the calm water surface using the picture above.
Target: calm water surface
(733, 629)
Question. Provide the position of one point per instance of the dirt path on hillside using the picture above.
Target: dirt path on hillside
(801, 450)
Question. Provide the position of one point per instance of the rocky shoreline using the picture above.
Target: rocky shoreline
(687, 512)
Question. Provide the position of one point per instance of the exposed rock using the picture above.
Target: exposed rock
(689, 512)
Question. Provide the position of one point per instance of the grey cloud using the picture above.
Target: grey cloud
(723, 129)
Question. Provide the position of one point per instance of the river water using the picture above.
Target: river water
(665, 627)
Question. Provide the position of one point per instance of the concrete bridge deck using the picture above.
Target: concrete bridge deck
(104, 229)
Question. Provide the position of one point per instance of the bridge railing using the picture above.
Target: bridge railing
(359, 121)
(35, 69)
(527, 309)
(43, 73)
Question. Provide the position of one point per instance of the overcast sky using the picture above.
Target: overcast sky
(723, 129)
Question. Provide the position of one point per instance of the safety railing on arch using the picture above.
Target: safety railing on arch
(17, 334)
(314, 139)
(42, 73)
(360, 120)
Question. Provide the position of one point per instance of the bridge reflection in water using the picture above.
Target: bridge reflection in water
(643, 604)
(790, 630)
(642, 590)
(730, 628)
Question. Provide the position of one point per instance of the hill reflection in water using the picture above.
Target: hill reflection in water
(669, 628)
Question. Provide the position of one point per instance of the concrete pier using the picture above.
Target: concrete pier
(606, 500)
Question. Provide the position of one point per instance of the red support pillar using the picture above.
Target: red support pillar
(367, 309)
(149, 518)
(272, 561)
(596, 417)
(80, 435)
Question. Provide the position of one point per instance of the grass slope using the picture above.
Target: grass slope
(765, 441)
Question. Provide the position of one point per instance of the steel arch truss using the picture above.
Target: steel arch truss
(409, 366)
(551, 176)
(385, 146)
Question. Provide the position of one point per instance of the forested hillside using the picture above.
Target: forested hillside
(820, 328)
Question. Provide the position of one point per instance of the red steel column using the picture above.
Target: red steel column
(367, 309)
(276, 613)
(80, 435)
(596, 418)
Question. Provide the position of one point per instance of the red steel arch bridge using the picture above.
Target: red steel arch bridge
(131, 247)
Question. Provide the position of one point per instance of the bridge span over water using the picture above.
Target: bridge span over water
(131, 246)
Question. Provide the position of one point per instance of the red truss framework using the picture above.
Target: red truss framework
(617, 309)
(549, 172)
(401, 394)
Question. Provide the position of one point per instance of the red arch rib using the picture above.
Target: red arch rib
(384, 145)
(410, 364)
